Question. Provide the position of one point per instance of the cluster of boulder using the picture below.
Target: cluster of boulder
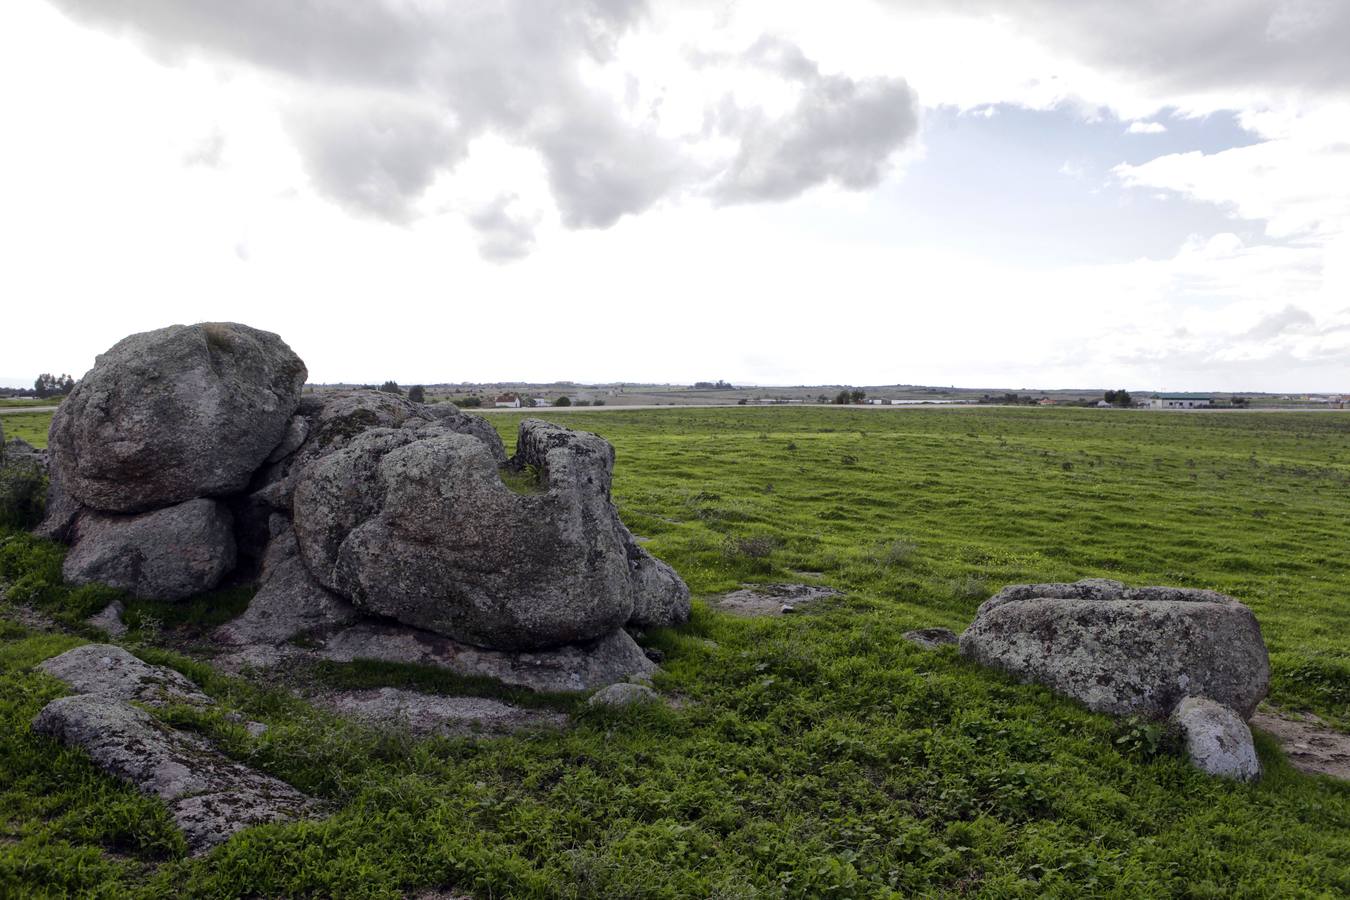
(1192, 656)
(190, 457)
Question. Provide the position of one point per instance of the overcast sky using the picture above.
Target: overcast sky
(984, 193)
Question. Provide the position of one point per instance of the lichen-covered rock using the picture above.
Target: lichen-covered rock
(109, 619)
(418, 525)
(1121, 650)
(209, 796)
(1218, 741)
(168, 554)
(110, 670)
(434, 714)
(175, 414)
(624, 694)
(660, 596)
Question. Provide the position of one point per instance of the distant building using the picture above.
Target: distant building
(1178, 401)
(540, 401)
(1102, 404)
(510, 401)
(1045, 401)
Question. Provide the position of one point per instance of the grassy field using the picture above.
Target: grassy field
(32, 427)
(816, 755)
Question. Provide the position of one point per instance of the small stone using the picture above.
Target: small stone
(109, 620)
(787, 608)
(624, 694)
(655, 654)
(1217, 740)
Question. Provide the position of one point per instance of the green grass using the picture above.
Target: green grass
(31, 426)
(818, 755)
(22, 402)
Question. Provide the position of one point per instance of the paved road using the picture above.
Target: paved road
(15, 410)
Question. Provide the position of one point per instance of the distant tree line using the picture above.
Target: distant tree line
(714, 386)
(48, 385)
(848, 396)
(1118, 398)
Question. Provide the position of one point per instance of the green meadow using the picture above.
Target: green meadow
(811, 755)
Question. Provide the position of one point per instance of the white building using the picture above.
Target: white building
(510, 401)
(1178, 401)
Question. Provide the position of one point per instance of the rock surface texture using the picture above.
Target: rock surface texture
(209, 796)
(1218, 741)
(1124, 650)
(170, 415)
(432, 714)
(932, 638)
(168, 554)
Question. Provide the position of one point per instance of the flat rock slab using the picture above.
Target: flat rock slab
(434, 714)
(209, 795)
(1310, 744)
(573, 667)
(772, 599)
(112, 671)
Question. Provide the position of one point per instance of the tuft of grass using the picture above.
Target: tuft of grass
(524, 480)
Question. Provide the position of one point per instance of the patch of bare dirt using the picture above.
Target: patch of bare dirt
(1311, 745)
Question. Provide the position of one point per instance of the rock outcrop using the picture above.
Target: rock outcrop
(209, 796)
(175, 414)
(1124, 650)
(188, 456)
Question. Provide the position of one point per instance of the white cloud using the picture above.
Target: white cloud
(1146, 128)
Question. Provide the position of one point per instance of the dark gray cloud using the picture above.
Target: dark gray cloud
(374, 156)
(1291, 318)
(1190, 46)
(388, 94)
(841, 130)
(503, 235)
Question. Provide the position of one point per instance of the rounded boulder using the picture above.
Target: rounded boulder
(173, 414)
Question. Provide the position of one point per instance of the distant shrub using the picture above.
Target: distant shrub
(417, 394)
(758, 546)
(563, 401)
(969, 588)
(896, 553)
(468, 402)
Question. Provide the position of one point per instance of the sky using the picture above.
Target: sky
(980, 193)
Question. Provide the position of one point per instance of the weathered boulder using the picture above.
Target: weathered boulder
(418, 525)
(1218, 741)
(175, 414)
(660, 596)
(109, 619)
(1124, 650)
(168, 554)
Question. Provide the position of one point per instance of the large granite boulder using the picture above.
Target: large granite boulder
(168, 554)
(175, 414)
(1124, 650)
(417, 525)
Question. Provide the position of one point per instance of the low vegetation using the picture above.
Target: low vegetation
(812, 755)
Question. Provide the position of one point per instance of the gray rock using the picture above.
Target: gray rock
(624, 694)
(110, 670)
(434, 714)
(1218, 741)
(772, 599)
(209, 795)
(168, 554)
(61, 509)
(109, 619)
(574, 667)
(418, 526)
(932, 638)
(289, 601)
(174, 414)
(660, 596)
(1124, 651)
(297, 429)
